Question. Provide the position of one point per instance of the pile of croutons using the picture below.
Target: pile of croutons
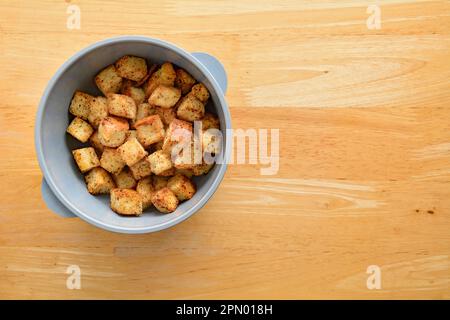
(131, 131)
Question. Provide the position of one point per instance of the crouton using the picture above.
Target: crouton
(190, 109)
(126, 202)
(164, 96)
(165, 200)
(159, 182)
(132, 151)
(179, 131)
(201, 169)
(111, 161)
(95, 142)
(98, 181)
(210, 121)
(80, 105)
(141, 169)
(200, 92)
(166, 115)
(122, 106)
(112, 131)
(184, 81)
(131, 67)
(99, 110)
(159, 162)
(80, 129)
(137, 94)
(86, 159)
(168, 173)
(145, 189)
(108, 80)
(182, 187)
(124, 179)
(165, 75)
(186, 159)
(149, 130)
(131, 134)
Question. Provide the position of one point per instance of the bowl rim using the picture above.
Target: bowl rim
(38, 134)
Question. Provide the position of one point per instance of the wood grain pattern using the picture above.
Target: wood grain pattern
(364, 173)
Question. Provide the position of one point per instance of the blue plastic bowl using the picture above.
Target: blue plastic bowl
(63, 186)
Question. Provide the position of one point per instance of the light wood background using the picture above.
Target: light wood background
(364, 179)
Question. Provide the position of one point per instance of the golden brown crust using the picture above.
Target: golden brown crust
(184, 81)
(131, 67)
(126, 202)
(164, 96)
(86, 159)
(165, 200)
(108, 80)
(132, 152)
(111, 160)
(98, 181)
(112, 131)
(80, 129)
(122, 106)
(182, 187)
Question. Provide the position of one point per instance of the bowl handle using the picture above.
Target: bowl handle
(215, 67)
(53, 203)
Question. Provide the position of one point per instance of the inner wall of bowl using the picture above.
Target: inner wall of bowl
(57, 145)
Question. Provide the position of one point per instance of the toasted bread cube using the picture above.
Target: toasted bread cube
(210, 121)
(132, 151)
(201, 169)
(200, 92)
(86, 159)
(99, 110)
(111, 161)
(182, 187)
(122, 106)
(95, 142)
(190, 109)
(131, 67)
(143, 110)
(168, 173)
(179, 131)
(159, 182)
(80, 129)
(99, 181)
(186, 160)
(108, 80)
(149, 130)
(137, 94)
(165, 200)
(125, 179)
(141, 169)
(186, 172)
(126, 202)
(131, 134)
(165, 75)
(112, 131)
(184, 81)
(166, 115)
(164, 96)
(145, 189)
(80, 106)
(159, 162)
